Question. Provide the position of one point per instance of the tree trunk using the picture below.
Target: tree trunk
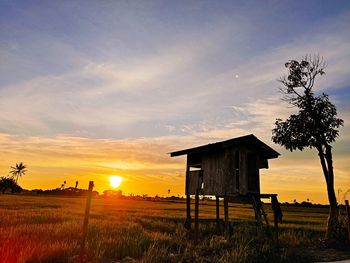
(333, 223)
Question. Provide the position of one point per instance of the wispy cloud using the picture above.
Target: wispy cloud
(155, 78)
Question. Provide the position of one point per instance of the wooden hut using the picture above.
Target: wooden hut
(226, 169)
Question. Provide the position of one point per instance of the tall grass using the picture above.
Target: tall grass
(47, 229)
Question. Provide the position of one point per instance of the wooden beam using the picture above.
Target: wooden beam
(218, 213)
(276, 226)
(277, 215)
(196, 215)
(267, 195)
(188, 198)
(226, 213)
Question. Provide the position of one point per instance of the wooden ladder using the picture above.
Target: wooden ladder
(259, 210)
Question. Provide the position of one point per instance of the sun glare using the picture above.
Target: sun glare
(115, 181)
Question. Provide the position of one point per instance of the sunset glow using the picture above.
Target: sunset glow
(115, 181)
(92, 90)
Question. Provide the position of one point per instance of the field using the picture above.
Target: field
(47, 229)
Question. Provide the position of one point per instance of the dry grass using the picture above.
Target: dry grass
(46, 229)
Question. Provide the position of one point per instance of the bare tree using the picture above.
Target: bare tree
(314, 126)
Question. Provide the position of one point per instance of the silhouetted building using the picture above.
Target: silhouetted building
(226, 170)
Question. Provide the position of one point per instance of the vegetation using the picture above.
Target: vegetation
(18, 170)
(9, 184)
(314, 126)
(47, 229)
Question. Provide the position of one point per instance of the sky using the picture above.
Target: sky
(90, 89)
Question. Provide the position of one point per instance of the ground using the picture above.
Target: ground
(48, 229)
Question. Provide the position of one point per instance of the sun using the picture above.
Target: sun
(115, 181)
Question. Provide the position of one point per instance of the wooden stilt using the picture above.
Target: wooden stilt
(218, 213)
(276, 227)
(257, 212)
(188, 212)
(277, 215)
(226, 214)
(264, 213)
(347, 210)
(188, 201)
(196, 214)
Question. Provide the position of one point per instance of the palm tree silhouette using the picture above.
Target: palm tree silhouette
(18, 170)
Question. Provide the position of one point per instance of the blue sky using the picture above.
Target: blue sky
(171, 71)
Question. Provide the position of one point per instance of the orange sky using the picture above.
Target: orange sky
(146, 167)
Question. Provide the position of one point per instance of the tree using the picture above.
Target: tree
(314, 126)
(18, 170)
(9, 183)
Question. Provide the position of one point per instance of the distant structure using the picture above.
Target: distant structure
(228, 170)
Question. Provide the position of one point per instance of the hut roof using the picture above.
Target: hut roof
(267, 151)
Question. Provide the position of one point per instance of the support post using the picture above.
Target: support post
(264, 213)
(277, 215)
(188, 200)
(86, 222)
(347, 210)
(276, 227)
(226, 214)
(257, 209)
(218, 213)
(196, 215)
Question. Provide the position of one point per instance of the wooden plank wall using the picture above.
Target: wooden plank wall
(219, 172)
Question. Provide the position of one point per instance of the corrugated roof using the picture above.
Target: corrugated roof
(270, 153)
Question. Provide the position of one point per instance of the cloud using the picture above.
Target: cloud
(152, 84)
(145, 165)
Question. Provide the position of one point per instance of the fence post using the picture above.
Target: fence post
(347, 209)
(86, 221)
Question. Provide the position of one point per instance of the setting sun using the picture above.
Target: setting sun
(115, 181)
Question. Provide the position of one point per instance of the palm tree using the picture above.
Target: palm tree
(18, 170)
(63, 185)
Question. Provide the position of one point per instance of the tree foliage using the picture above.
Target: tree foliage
(315, 125)
(18, 170)
(9, 184)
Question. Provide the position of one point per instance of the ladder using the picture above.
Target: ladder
(259, 210)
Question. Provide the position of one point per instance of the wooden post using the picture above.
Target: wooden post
(347, 210)
(226, 214)
(218, 213)
(257, 209)
(196, 213)
(188, 200)
(277, 215)
(86, 221)
(276, 227)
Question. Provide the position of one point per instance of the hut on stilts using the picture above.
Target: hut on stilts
(228, 170)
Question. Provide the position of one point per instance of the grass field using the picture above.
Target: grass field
(47, 229)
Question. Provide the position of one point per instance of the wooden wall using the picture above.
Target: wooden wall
(219, 172)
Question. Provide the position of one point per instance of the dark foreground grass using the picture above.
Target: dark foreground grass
(47, 229)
